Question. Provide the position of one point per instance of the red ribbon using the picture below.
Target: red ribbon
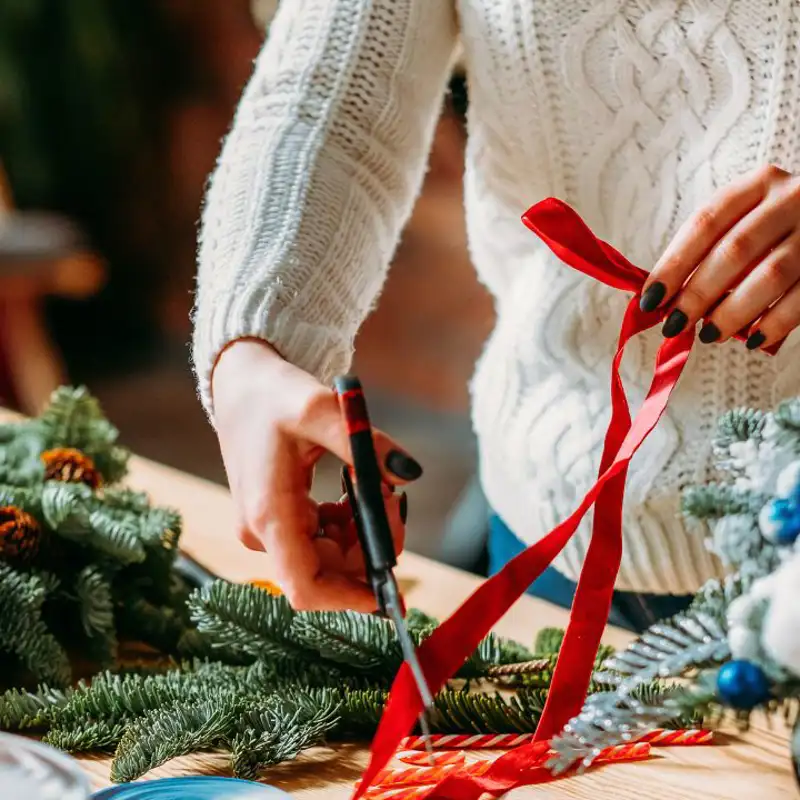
(441, 655)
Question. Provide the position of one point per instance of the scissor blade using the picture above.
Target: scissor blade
(392, 602)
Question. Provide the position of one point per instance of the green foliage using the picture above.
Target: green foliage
(74, 419)
(23, 631)
(788, 414)
(104, 567)
(714, 500)
(739, 425)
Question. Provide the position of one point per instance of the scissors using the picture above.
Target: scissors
(374, 532)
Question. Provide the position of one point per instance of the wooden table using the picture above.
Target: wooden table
(756, 765)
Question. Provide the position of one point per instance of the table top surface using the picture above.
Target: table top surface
(736, 767)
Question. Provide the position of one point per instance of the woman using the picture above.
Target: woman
(670, 127)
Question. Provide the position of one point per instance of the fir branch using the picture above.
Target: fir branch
(477, 712)
(511, 652)
(28, 498)
(85, 737)
(244, 620)
(176, 730)
(714, 500)
(160, 528)
(361, 711)
(548, 642)
(361, 641)
(65, 508)
(162, 627)
(487, 654)
(96, 602)
(23, 632)
(279, 729)
(74, 419)
(787, 415)
(121, 498)
(115, 698)
(739, 425)
(116, 534)
(21, 710)
(418, 621)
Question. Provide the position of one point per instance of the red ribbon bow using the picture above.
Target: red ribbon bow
(441, 655)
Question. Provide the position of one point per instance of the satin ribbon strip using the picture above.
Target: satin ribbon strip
(441, 655)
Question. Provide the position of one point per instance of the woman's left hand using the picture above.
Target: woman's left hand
(746, 241)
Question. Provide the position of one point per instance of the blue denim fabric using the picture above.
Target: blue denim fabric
(629, 610)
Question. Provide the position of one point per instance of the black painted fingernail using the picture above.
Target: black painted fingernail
(403, 466)
(675, 323)
(652, 297)
(403, 508)
(755, 341)
(709, 333)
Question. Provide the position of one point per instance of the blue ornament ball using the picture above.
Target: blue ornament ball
(779, 521)
(742, 685)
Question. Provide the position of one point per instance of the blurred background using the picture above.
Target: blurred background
(111, 117)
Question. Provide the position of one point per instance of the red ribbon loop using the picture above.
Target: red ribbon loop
(441, 655)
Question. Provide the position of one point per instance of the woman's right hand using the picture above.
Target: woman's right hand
(274, 422)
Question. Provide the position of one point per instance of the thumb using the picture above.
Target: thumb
(324, 425)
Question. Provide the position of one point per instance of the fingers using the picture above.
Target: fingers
(299, 569)
(698, 235)
(319, 421)
(761, 289)
(733, 262)
(744, 244)
(778, 322)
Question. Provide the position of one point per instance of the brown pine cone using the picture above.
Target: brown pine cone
(20, 534)
(70, 466)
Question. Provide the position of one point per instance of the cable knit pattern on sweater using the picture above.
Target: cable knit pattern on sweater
(632, 111)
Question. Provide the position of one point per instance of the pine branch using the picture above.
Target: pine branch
(361, 711)
(714, 500)
(512, 652)
(117, 698)
(23, 632)
(96, 602)
(476, 712)
(361, 641)
(279, 729)
(166, 733)
(787, 415)
(75, 419)
(243, 620)
(86, 737)
(548, 642)
(21, 710)
(739, 425)
(72, 511)
(162, 627)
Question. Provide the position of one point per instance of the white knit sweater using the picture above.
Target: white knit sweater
(632, 111)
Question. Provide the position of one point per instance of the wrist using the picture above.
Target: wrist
(238, 360)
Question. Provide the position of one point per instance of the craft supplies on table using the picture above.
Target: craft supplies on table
(35, 771)
(200, 787)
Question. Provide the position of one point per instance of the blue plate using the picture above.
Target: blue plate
(201, 787)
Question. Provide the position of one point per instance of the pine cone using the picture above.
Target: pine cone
(20, 534)
(70, 466)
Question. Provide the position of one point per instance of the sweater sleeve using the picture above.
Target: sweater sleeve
(318, 176)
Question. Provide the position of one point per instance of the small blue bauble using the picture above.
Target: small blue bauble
(780, 521)
(742, 685)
